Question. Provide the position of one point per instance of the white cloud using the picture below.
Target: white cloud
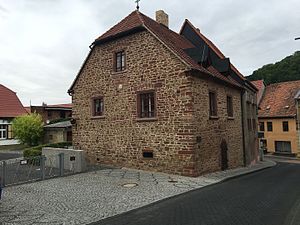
(43, 43)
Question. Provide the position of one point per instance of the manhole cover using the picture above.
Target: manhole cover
(130, 185)
(172, 181)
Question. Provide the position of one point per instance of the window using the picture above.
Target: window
(120, 61)
(212, 104)
(283, 147)
(229, 106)
(98, 107)
(269, 126)
(146, 105)
(285, 126)
(261, 126)
(3, 131)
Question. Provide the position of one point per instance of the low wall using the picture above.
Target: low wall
(74, 160)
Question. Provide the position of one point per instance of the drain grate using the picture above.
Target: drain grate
(130, 185)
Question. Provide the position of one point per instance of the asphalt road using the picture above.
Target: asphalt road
(268, 197)
(9, 155)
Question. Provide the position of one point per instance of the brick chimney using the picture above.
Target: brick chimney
(162, 18)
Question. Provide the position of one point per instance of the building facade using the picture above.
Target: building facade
(142, 99)
(52, 112)
(279, 118)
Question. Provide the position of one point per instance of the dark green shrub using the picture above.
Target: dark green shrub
(37, 150)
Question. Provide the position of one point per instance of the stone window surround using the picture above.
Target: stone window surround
(230, 110)
(215, 104)
(138, 106)
(93, 107)
(114, 70)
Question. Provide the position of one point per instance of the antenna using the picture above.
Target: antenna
(137, 4)
(297, 38)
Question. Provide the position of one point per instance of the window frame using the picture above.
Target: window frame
(287, 126)
(122, 62)
(270, 123)
(213, 105)
(229, 100)
(93, 108)
(139, 105)
(261, 125)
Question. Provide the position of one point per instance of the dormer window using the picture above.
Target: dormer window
(120, 61)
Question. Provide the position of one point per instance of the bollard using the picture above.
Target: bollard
(43, 159)
(61, 164)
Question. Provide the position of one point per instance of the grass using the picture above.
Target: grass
(17, 147)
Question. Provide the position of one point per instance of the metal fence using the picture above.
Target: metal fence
(22, 170)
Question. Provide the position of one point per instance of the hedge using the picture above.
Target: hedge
(37, 150)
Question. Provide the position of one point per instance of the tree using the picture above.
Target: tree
(287, 69)
(28, 129)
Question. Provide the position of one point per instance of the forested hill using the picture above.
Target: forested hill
(286, 70)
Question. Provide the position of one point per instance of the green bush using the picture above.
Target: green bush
(37, 150)
(28, 129)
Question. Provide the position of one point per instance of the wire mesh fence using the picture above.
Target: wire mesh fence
(22, 170)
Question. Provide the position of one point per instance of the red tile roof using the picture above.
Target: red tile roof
(258, 84)
(172, 40)
(279, 100)
(10, 105)
(67, 105)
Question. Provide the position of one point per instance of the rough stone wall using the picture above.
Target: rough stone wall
(119, 137)
(211, 131)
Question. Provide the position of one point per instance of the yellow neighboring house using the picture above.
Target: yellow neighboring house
(278, 118)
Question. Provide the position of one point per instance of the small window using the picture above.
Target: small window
(261, 126)
(285, 126)
(49, 114)
(269, 126)
(229, 106)
(249, 124)
(212, 104)
(62, 114)
(120, 61)
(254, 124)
(98, 107)
(146, 105)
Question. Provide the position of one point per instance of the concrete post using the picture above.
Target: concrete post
(61, 164)
(43, 159)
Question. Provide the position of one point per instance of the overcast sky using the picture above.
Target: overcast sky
(44, 42)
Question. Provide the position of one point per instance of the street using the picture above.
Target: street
(267, 197)
(9, 155)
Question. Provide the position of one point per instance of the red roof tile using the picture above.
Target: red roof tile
(10, 105)
(171, 39)
(279, 100)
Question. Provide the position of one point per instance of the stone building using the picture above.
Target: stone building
(147, 97)
(58, 132)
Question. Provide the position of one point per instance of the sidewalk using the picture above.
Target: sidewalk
(89, 197)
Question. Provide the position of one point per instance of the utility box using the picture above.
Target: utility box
(74, 160)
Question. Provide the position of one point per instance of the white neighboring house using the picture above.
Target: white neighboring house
(10, 107)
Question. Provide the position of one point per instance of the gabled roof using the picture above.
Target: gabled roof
(279, 100)
(137, 21)
(10, 105)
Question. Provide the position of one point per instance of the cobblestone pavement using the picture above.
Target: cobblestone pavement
(269, 197)
(89, 197)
